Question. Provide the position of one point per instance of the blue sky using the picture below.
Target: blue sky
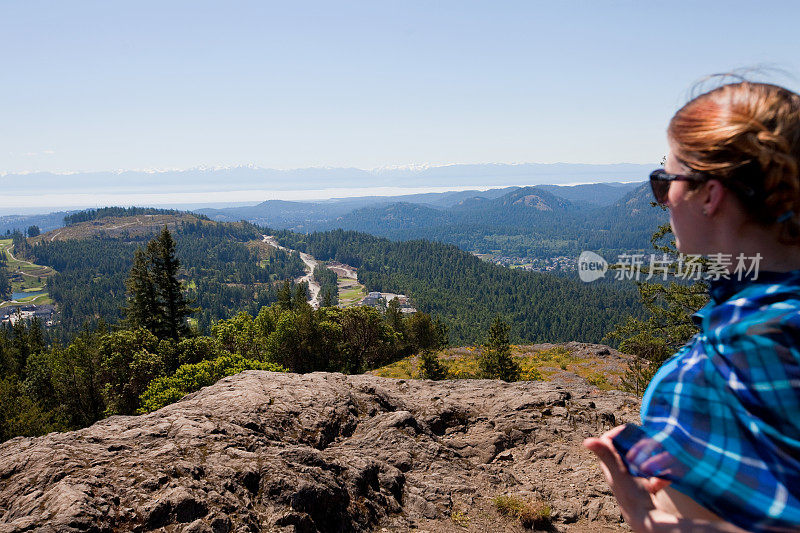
(105, 85)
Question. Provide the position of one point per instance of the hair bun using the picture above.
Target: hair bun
(747, 133)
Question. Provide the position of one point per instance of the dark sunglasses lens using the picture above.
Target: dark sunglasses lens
(660, 189)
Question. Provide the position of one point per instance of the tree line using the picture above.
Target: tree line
(94, 214)
(468, 293)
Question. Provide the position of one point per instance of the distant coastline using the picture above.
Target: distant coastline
(43, 192)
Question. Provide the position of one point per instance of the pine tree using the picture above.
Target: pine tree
(285, 295)
(431, 367)
(155, 295)
(496, 361)
(327, 298)
(300, 298)
(174, 307)
(5, 284)
(141, 309)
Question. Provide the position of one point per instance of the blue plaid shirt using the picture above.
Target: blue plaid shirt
(721, 418)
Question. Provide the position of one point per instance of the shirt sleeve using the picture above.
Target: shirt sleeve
(721, 424)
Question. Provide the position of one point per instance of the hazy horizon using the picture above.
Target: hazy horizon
(46, 192)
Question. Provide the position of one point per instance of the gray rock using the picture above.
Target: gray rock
(262, 451)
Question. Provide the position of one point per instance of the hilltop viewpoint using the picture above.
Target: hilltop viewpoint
(327, 452)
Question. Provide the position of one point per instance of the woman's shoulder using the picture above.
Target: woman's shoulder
(755, 328)
(754, 308)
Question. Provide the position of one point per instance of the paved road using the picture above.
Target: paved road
(311, 264)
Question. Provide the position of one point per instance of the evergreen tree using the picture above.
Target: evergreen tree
(34, 231)
(327, 298)
(5, 285)
(141, 309)
(429, 336)
(155, 295)
(175, 308)
(20, 245)
(431, 367)
(496, 361)
(300, 298)
(285, 295)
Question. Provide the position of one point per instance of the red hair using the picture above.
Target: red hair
(747, 135)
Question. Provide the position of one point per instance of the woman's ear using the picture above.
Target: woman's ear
(713, 195)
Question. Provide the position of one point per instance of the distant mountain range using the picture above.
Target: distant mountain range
(533, 221)
(539, 221)
(524, 222)
(308, 216)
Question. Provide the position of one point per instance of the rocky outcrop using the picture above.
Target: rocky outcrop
(263, 451)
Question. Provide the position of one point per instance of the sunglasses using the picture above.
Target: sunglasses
(660, 180)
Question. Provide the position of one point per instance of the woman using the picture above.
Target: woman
(719, 444)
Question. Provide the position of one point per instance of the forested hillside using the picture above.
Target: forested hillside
(526, 222)
(225, 268)
(467, 292)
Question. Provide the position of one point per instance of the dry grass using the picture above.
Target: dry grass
(535, 364)
(530, 513)
(134, 226)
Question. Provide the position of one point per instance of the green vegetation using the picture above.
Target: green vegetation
(101, 372)
(530, 513)
(251, 316)
(459, 517)
(467, 293)
(129, 360)
(534, 364)
(667, 325)
(495, 361)
(94, 214)
(329, 287)
(20, 275)
(431, 367)
(428, 335)
(155, 296)
(225, 268)
(5, 284)
(526, 222)
(193, 377)
(351, 295)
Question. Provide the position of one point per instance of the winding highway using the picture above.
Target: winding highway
(311, 264)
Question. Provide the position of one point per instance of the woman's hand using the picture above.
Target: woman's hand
(635, 495)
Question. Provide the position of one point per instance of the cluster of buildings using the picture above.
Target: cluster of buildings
(547, 264)
(45, 313)
(380, 300)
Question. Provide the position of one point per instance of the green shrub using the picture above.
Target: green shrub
(129, 360)
(193, 377)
